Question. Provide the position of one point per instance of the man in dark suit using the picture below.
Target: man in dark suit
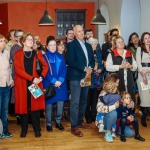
(80, 59)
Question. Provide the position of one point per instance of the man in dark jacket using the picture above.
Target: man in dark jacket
(80, 59)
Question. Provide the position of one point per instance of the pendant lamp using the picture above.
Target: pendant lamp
(46, 18)
(1, 22)
(98, 18)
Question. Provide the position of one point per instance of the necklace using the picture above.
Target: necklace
(28, 56)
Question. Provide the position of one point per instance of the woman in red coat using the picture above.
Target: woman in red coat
(25, 75)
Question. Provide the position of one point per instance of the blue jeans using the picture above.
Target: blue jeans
(4, 101)
(78, 103)
(128, 132)
(109, 120)
(49, 110)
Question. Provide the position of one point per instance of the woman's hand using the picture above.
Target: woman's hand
(145, 80)
(36, 81)
(95, 68)
(116, 104)
(12, 84)
(58, 84)
(128, 65)
(144, 72)
(99, 71)
(122, 66)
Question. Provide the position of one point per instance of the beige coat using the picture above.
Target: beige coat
(144, 94)
(5, 70)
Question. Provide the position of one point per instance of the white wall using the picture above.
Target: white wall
(130, 18)
(145, 15)
(102, 29)
(114, 10)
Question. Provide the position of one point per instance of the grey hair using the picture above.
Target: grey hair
(92, 40)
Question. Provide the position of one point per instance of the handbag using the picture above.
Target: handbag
(39, 67)
(49, 92)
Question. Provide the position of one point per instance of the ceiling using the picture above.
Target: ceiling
(5, 1)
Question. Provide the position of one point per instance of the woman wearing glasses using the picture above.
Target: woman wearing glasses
(26, 75)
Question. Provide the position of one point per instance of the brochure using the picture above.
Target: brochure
(35, 90)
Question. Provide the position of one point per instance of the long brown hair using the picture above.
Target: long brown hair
(143, 48)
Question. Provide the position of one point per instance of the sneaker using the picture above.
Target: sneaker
(2, 136)
(113, 134)
(101, 128)
(7, 134)
(108, 137)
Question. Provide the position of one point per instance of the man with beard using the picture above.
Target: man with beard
(38, 43)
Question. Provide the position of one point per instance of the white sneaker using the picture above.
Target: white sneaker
(108, 137)
(113, 135)
(101, 128)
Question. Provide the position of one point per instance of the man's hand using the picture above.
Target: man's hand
(88, 70)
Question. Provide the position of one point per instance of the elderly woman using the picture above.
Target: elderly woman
(6, 83)
(143, 62)
(97, 80)
(58, 78)
(25, 76)
(122, 62)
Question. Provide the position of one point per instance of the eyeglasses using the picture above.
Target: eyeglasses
(30, 40)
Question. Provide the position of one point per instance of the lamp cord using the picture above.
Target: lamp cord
(46, 4)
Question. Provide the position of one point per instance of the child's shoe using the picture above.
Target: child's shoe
(138, 137)
(2, 136)
(108, 137)
(123, 138)
(113, 134)
(101, 128)
(7, 134)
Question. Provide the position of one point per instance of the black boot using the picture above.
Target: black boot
(18, 120)
(122, 138)
(143, 121)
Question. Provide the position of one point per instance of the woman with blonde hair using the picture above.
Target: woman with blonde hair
(122, 62)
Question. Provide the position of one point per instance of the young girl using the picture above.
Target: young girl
(126, 116)
(108, 99)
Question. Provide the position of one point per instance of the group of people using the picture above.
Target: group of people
(109, 100)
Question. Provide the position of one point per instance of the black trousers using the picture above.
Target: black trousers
(135, 124)
(35, 119)
(90, 114)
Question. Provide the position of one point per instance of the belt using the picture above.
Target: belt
(145, 64)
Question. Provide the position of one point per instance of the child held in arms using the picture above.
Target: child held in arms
(110, 97)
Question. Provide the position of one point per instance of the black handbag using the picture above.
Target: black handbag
(39, 67)
(49, 92)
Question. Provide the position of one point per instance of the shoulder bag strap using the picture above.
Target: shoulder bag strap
(49, 64)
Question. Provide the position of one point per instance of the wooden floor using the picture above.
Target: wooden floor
(64, 140)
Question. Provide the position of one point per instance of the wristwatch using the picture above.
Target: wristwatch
(41, 78)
